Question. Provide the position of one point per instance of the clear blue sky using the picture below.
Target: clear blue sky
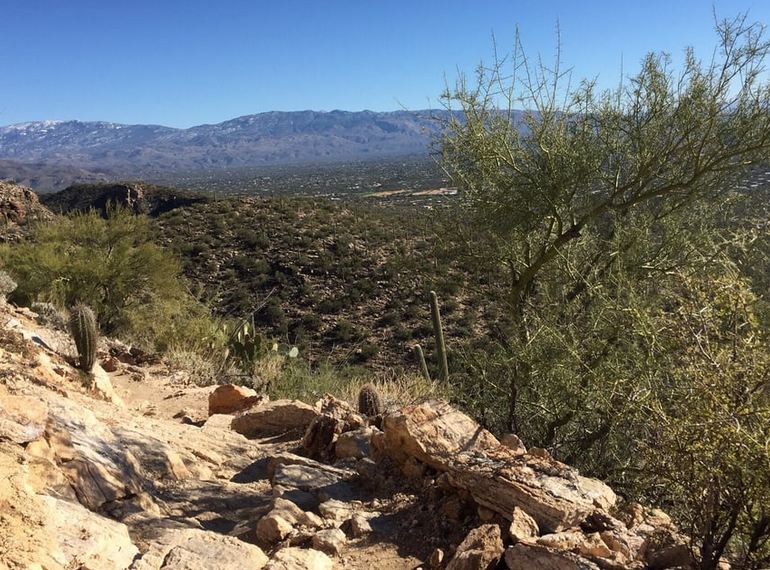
(186, 62)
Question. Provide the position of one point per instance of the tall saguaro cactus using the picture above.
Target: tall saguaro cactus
(84, 332)
(438, 331)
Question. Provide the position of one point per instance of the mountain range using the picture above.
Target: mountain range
(251, 140)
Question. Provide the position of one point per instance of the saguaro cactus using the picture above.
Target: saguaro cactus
(369, 402)
(84, 332)
(438, 331)
(421, 359)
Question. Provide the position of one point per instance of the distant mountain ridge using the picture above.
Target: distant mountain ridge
(251, 140)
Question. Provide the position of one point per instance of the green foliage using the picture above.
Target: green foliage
(596, 218)
(85, 334)
(706, 449)
(369, 401)
(132, 284)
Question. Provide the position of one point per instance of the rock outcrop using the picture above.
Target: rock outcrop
(19, 208)
(497, 477)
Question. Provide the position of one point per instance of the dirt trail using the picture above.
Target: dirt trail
(188, 474)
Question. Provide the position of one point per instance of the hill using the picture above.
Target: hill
(341, 281)
(251, 140)
(139, 197)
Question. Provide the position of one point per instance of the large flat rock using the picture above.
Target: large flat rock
(499, 478)
(274, 418)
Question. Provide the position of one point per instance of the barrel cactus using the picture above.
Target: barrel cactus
(84, 333)
(369, 401)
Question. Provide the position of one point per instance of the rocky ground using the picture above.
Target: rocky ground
(133, 467)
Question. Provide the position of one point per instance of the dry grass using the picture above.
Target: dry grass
(309, 385)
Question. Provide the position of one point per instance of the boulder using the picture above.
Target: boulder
(289, 472)
(498, 478)
(590, 545)
(85, 539)
(273, 418)
(294, 558)
(481, 549)
(433, 432)
(273, 528)
(280, 521)
(286, 458)
(674, 556)
(514, 443)
(331, 541)
(194, 549)
(336, 417)
(522, 527)
(359, 526)
(110, 364)
(436, 558)
(295, 515)
(354, 443)
(20, 208)
(101, 385)
(230, 398)
(336, 511)
(524, 556)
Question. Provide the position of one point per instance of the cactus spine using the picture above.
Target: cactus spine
(421, 359)
(84, 332)
(369, 402)
(438, 330)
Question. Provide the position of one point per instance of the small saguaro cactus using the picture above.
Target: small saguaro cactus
(421, 359)
(369, 401)
(84, 332)
(439, 333)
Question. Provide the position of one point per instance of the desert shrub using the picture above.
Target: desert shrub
(584, 215)
(112, 264)
(49, 315)
(706, 448)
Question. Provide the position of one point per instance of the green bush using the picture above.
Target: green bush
(133, 285)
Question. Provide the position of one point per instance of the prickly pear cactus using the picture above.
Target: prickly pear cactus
(369, 401)
(84, 332)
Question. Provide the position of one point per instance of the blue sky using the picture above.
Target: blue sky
(187, 62)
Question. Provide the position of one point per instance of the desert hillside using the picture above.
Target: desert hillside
(134, 467)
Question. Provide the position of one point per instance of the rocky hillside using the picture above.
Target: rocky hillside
(134, 468)
(139, 197)
(19, 208)
(341, 281)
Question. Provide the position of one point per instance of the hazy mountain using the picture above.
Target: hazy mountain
(251, 140)
(47, 177)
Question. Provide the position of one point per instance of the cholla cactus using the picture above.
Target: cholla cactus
(7, 285)
(84, 332)
(369, 402)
